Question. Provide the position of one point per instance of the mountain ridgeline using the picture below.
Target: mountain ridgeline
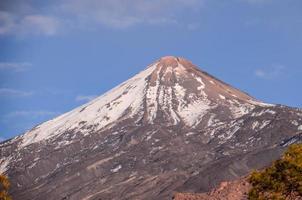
(170, 128)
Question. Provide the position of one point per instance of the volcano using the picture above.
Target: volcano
(170, 128)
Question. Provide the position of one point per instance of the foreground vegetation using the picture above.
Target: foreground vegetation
(4, 187)
(282, 180)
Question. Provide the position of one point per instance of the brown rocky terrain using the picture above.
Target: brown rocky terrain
(233, 190)
(228, 190)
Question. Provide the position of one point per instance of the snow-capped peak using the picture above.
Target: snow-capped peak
(170, 91)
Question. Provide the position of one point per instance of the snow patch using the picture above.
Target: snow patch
(4, 163)
(264, 124)
(238, 110)
(115, 133)
(202, 85)
(116, 169)
(166, 103)
(190, 133)
(179, 91)
(255, 125)
(155, 149)
(258, 114)
(150, 134)
(151, 97)
(259, 103)
(295, 123)
(221, 97)
(193, 113)
(212, 120)
(229, 134)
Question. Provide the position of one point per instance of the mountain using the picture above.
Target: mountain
(171, 128)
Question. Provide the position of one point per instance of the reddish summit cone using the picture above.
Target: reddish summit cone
(168, 60)
(173, 61)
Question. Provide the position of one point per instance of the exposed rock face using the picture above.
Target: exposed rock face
(170, 128)
(229, 190)
(234, 190)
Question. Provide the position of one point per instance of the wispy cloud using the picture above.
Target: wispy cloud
(123, 14)
(270, 72)
(39, 24)
(15, 66)
(6, 22)
(14, 24)
(8, 92)
(59, 16)
(85, 98)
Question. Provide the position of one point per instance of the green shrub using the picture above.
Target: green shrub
(282, 180)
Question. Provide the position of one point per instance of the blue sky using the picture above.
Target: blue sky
(56, 55)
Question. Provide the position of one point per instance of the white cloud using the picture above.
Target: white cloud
(58, 16)
(15, 66)
(39, 24)
(8, 92)
(270, 73)
(7, 23)
(2, 139)
(13, 24)
(85, 98)
(127, 13)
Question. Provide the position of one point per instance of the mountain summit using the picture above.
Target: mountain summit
(170, 91)
(172, 127)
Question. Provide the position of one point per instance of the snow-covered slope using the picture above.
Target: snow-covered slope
(100, 112)
(171, 87)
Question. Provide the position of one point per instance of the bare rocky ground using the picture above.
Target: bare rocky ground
(234, 190)
(229, 190)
